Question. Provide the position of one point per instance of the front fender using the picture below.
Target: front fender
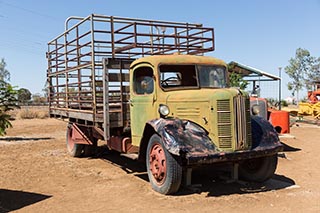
(183, 137)
(263, 134)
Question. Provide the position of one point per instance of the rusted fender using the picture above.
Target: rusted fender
(191, 142)
(263, 134)
(181, 137)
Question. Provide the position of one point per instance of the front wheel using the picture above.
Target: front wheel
(258, 169)
(164, 171)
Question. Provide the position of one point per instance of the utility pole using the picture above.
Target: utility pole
(280, 88)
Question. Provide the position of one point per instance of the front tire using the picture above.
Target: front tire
(258, 169)
(164, 172)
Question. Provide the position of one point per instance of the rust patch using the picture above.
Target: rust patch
(78, 137)
(183, 137)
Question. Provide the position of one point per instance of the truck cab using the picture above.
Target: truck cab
(187, 87)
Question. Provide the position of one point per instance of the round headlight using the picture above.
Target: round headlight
(164, 110)
(255, 110)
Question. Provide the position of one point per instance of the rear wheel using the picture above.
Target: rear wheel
(74, 150)
(258, 169)
(164, 171)
(90, 150)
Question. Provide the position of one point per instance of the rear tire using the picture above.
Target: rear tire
(74, 150)
(258, 169)
(164, 172)
(90, 150)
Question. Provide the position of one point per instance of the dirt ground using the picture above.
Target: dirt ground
(37, 175)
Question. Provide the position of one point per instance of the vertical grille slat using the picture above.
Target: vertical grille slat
(243, 122)
(248, 121)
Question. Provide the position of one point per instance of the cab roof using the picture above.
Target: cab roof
(177, 59)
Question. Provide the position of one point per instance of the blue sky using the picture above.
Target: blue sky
(262, 34)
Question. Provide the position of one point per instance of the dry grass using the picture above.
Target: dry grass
(30, 112)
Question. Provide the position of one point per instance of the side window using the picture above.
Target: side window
(178, 76)
(143, 81)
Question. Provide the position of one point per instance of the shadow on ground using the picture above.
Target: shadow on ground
(10, 139)
(11, 200)
(287, 148)
(215, 180)
(219, 184)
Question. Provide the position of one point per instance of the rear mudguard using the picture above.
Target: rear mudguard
(190, 141)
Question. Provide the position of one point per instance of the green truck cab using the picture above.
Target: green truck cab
(181, 107)
(172, 111)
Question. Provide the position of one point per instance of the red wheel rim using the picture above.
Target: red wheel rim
(157, 163)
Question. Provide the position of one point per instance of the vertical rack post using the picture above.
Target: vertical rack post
(93, 70)
(106, 119)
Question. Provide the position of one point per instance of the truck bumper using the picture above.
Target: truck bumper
(220, 157)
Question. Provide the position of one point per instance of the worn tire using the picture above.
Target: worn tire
(164, 172)
(90, 150)
(74, 150)
(258, 169)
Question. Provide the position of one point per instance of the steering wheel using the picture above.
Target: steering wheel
(165, 81)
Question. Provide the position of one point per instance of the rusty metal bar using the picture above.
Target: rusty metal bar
(106, 119)
(93, 71)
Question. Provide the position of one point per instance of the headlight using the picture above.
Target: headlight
(164, 110)
(255, 110)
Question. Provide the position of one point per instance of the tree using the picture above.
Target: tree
(4, 73)
(313, 75)
(300, 70)
(24, 95)
(236, 80)
(38, 99)
(8, 100)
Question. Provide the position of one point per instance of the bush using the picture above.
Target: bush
(32, 114)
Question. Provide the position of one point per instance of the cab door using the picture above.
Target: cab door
(143, 98)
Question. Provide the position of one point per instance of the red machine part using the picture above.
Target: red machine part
(280, 120)
(314, 96)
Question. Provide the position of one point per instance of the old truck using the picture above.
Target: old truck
(145, 89)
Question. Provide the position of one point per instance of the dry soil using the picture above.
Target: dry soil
(37, 175)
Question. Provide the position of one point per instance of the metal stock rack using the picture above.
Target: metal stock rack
(76, 68)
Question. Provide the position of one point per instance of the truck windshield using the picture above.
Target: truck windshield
(212, 76)
(192, 76)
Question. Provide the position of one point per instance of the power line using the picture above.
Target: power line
(29, 11)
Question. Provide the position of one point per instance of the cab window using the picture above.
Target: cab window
(178, 76)
(143, 81)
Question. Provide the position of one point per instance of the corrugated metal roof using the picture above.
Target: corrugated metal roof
(251, 72)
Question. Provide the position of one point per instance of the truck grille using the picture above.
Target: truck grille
(224, 124)
(248, 124)
(242, 122)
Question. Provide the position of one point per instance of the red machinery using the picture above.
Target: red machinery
(312, 107)
(278, 118)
